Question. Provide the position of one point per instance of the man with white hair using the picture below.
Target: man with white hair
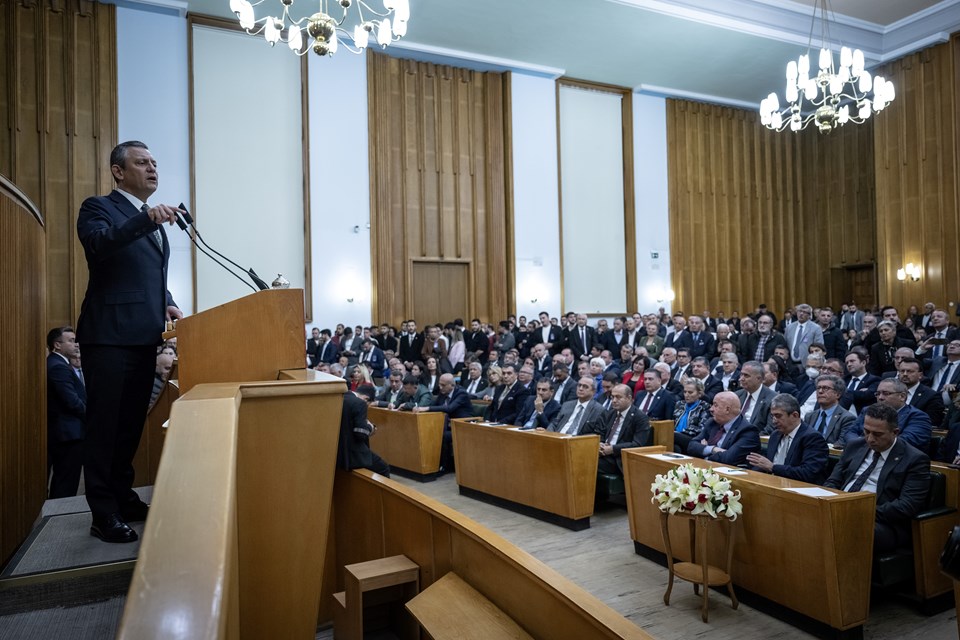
(802, 333)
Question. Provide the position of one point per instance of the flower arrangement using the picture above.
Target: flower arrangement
(695, 490)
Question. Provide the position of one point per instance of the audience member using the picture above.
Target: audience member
(726, 437)
(795, 450)
(66, 414)
(622, 427)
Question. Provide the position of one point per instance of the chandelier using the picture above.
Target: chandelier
(831, 97)
(319, 31)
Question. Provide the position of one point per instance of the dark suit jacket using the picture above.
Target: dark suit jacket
(506, 413)
(66, 401)
(569, 391)
(634, 432)
(591, 414)
(312, 346)
(743, 438)
(807, 458)
(840, 422)
(408, 352)
(465, 382)
(328, 355)
(550, 411)
(902, 485)
(661, 408)
(577, 346)
(879, 363)
(939, 363)
(556, 339)
(930, 402)
(865, 394)
(478, 341)
(915, 427)
(774, 341)
(353, 451)
(456, 405)
(711, 387)
(704, 345)
(127, 298)
(760, 418)
(611, 344)
(375, 358)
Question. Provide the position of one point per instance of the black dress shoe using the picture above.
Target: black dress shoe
(112, 529)
(134, 512)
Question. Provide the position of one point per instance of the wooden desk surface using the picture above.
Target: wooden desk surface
(540, 469)
(408, 440)
(811, 554)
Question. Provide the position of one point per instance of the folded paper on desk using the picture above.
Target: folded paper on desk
(730, 471)
(815, 492)
(669, 456)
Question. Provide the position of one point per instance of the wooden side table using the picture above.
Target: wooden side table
(700, 572)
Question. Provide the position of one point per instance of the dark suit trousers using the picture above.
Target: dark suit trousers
(65, 459)
(119, 381)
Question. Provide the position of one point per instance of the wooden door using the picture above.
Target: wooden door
(440, 291)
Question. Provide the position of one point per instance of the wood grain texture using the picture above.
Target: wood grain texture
(23, 376)
(831, 585)
(537, 598)
(916, 169)
(58, 123)
(408, 440)
(764, 217)
(544, 470)
(439, 157)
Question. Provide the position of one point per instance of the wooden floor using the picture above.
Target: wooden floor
(602, 560)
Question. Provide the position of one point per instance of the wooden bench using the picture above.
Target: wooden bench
(540, 473)
(450, 609)
(409, 442)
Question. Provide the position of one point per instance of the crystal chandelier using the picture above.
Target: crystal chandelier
(831, 97)
(320, 32)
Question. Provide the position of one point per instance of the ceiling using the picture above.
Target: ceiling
(727, 51)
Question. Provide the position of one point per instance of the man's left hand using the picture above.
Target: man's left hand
(173, 313)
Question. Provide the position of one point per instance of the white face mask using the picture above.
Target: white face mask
(812, 372)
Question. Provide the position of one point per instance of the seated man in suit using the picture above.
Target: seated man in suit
(755, 398)
(390, 396)
(914, 425)
(414, 395)
(474, 382)
(574, 414)
(540, 409)
(726, 437)
(700, 369)
(919, 395)
(886, 465)
(828, 418)
(795, 450)
(564, 387)
(353, 450)
(507, 398)
(454, 403)
(622, 427)
(861, 386)
(654, 401)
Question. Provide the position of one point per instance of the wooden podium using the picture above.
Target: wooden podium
(251, 338)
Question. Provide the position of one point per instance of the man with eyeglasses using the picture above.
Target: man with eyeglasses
(762, 344)
(828, 418)
(915, 427)
(831, 366)
(575, 414)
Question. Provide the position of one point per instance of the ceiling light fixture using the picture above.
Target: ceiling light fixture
(319, 31)
(831, 97)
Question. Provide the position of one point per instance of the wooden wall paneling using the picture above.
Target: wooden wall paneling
(58, 108)
(916, 182)
(437, 183)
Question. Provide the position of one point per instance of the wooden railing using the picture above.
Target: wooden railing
(23, 409)
(240, 512)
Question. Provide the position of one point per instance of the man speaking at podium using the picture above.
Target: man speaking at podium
(121, 323)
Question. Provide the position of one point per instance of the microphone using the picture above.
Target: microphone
(182, 225)
(250, 272)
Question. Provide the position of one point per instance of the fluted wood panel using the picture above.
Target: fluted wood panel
(23, 431)
(439, 150)
(58, 112)
(751, 210)
(916, 169)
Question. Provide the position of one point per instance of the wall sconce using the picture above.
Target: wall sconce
(667, 295)
(911, 271)
(533, 301)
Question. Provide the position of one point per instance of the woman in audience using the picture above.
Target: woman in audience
(354, 377)
(634, 377)
(689, 415)
(494, 377)
(652, 342)
(431, 376)
(457, 350)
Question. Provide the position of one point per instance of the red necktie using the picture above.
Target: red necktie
(646, 402)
